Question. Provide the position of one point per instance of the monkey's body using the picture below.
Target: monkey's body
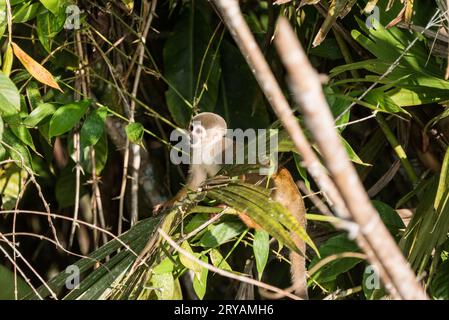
(208, 149)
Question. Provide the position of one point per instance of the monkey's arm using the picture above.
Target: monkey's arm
(197, 175)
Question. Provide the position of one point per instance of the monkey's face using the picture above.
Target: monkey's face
(207, 129)
(207, 132)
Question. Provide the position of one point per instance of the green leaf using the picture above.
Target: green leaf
(11, 185)
(3, 17)
(443, 183)
(7, 285)
(165, 266)
(429, 225)
(19, 152)
(333, 269)
(2, 153)
(337, 105)
(52, 5)
(8, 58)
(66, 117)
(43, 111)
(190, 66)
(439, 287)
(301, 170)
(43, 130)
(135, 132)
(417, 96)
(418, 78)
(93, 127)
(25, 12)
(101, 155)
(196, 221)
(48, 26)
(24, 135)
(218, 261)
(389, 216)
(261, 248)
(129, 4)
(33, 95)
(383, 102)
(270, 215)
(186, 262)
(2, 128)
(177, 293)
(422, 233)
(164, 285)
(200, 281)
(351, 153)
(221, 233)
(9, 92)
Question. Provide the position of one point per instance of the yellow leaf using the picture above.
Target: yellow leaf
(7, 60)
(34, 68)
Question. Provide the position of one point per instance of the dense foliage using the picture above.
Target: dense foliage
(90, 92)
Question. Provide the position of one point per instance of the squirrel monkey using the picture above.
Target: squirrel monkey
(208, 143)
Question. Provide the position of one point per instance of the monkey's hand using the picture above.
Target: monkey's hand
(161, 207)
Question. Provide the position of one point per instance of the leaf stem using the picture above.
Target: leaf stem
(397, 147)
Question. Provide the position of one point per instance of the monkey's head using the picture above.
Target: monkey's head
(207, 127)
(209, 120)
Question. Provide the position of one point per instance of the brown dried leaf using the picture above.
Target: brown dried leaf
(34, 68)
(408, 11)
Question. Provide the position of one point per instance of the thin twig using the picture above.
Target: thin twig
(334, 257)
(121, 207)
(76, 136)
(41, 237)
(385, 179)
(14, 220)
(135, 148)
(397, 147)
(36, 184)
(97, 194)
(90, 225)
(19, 254)
(9, 20)
(21, 272)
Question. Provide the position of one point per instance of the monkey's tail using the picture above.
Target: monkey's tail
(298, 269)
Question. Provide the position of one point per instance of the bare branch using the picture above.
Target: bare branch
(307, 91)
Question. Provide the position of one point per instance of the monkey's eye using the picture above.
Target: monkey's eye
(198, 130)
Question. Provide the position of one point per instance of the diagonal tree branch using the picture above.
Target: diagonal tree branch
(307, 92)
